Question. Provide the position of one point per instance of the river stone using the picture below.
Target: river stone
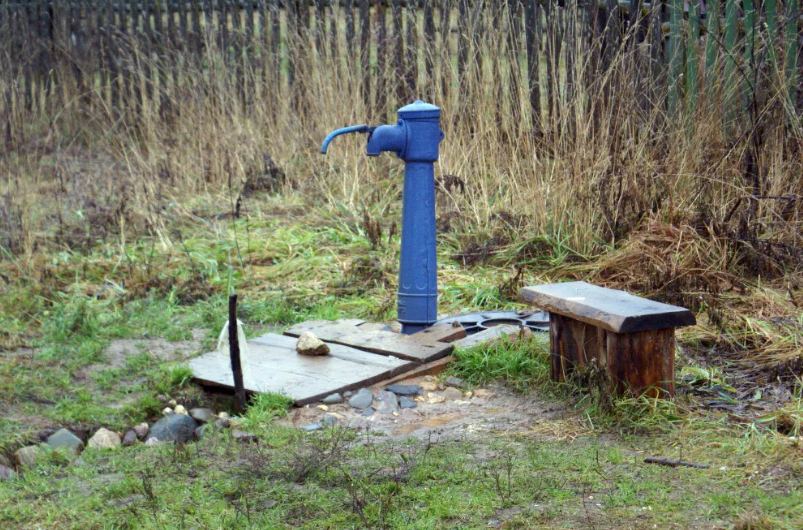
(407, 403)
(6, 473)
(404, 390)
(368, 412)
(388, 402)
(104, 439)
(362, 399)
(65, 442)
(313, 427)
(141, 430)
(330, 420)
(333, 399)
(202, 415)
(130, 438)
(452, 394)
(28, 456)
(180, 410)
(455, 382)
(174, 428)
(222, 423)
(309, 344)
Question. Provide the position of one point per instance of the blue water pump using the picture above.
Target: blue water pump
(415, 140)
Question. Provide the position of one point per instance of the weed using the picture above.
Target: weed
(264, 407)
(521, 362)
(172, 377)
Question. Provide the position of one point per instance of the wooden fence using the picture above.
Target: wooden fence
(542, 56)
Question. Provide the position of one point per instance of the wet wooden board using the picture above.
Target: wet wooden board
(272, 365)
(609, 309)
(418, 347)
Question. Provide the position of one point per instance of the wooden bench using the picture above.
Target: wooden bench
(631, 338)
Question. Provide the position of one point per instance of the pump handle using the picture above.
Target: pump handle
(365, 129)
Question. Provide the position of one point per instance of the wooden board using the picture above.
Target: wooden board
(418, 347)
(272, 365)
(609, 309)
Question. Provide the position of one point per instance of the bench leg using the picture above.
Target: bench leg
(640, 362)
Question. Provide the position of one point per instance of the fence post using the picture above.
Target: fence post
(675, 18)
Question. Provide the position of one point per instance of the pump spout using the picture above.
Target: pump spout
(345, 130)
(391, 138)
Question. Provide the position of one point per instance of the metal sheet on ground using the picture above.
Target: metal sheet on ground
(418, 347)
(272, 365)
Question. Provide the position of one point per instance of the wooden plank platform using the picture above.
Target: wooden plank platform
(423, 347)
(273, 365)
(608, 309)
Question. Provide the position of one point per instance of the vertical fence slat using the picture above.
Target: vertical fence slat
(381, 59)
(513, 12)
(429, 48)
(365, 56)
(397, 41)
(729, 75)
(791, 51)
(462, 44)
(530, 26)
(674, 53)
(711, 51)
(349, 8)
(692, 54)
(749, 56)
(445, 50)
(411, 46)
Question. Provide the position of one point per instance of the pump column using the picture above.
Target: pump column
(418, 279)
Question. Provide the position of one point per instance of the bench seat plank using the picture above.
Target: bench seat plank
(609, 309)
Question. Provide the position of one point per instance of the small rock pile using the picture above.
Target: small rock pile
(393, 400)
(176, 425)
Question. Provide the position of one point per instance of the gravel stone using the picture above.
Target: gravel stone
(174, 428)
(65, 442)
(6, 473)
(455, 382)
(333, 399)
(362, 399)
(104, 439)
(388, 402)
(130, 438)
(452, 394)
(202, 415)
(404, 390)
(330, 420)
(141, 430)
(407, 403)
(313, 427)
(368, 412)
(28, 456)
